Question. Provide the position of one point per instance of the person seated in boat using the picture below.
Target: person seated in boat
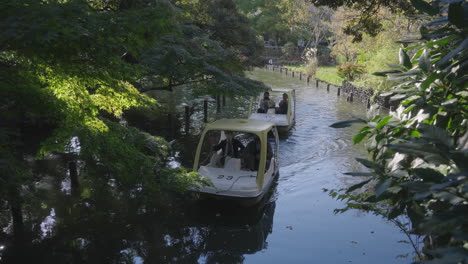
(266, 103)
(251, 158)
(231, 147)
(283, 105)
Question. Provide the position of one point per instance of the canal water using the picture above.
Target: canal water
(296, 222)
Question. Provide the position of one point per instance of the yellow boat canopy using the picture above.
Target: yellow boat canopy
(282, 90)
(245, 125)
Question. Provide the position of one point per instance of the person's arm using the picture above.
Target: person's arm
(219, 146)
(238, 145)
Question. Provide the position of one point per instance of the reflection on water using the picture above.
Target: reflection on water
(294, 224)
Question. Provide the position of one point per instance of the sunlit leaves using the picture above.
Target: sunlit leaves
(404, 59)
(418, 153)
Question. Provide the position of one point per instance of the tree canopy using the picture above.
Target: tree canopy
(70, 69)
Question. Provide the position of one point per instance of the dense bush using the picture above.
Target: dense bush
(419, 153)
(350, 71)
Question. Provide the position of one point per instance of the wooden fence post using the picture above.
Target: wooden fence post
(308, 79)
(218, 104)
(328, 87)
(368, 103)
(171, 124)
(351, 97)
(316, 83)
(300, 75)
(73, 175)
(293, 74)
(338, 92)
(205, 111)
(187, 119)
(224, 100)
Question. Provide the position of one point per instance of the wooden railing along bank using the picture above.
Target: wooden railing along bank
(346, 89)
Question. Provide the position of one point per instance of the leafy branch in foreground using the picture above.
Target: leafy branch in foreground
(419, 152)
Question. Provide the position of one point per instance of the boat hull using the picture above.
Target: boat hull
(245, 201)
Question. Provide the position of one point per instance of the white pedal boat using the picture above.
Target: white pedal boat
(284, 121)
(239, 174)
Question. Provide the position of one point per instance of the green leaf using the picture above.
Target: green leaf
(394, 189)
(422, 196)
(449, 197)
(404, 59)
(415, 133)
(408, 41)
(357, 186)
(410, 99)
(384, 73)
(424, 61)
(347, 123)
(398, 97)
(359, 137)
(452, 53)
(436, 134)
(396, 211)
(416, 186)
(383, 122)
(463, 142)
(360, 174)
(396, 67)
(369, 164)
(450, 102)
(415, 213)
(425, 7)
(387, 94)
(427, 152)
(429, 175)
(409, 109)
(429, 80)
(382, 186)
(442, 41)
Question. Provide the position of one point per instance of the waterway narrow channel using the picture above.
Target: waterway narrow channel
(295, 224)
(313, 157)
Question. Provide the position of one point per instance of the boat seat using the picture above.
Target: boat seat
(215, 160)
(232, 164)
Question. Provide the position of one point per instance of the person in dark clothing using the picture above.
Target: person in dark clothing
(283, 105)
(231, 147)
(252, 154)
(266, 103)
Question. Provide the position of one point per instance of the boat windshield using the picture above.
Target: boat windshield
(231, 150)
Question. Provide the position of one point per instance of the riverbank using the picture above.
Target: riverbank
(325, 73)
(345, 88)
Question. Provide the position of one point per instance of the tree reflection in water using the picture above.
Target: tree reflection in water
(103, 228)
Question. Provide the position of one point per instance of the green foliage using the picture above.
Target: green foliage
(350, 71)
(211, 47)
(273, 19)
(367, 20)
(419, 153)
(70, 69)
(373, 52)
(289, 49)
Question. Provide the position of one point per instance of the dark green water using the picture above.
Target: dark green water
(295, 224)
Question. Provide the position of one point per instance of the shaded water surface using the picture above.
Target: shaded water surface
(295, 223)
